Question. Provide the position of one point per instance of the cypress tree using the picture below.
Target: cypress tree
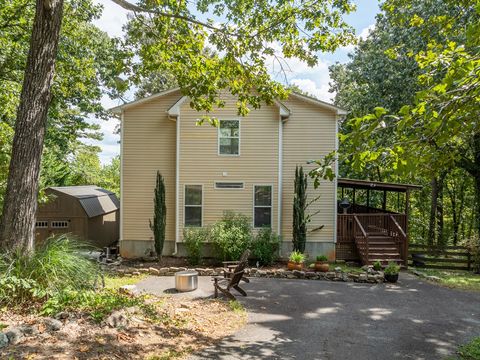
(159, 215)
(299, 208)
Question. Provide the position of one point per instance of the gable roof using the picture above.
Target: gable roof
(174, 109)
(94, 200)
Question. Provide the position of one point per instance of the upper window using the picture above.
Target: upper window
(229, 137)
(193, 205)
(262, 212)
(228, 185)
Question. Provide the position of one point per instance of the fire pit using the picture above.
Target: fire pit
(186, 280)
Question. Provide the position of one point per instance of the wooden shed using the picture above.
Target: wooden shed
(87, 212)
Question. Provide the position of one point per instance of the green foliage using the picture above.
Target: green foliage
(377, 266)
(299, 226)
(56, 264)
(251, 34)
(470, 351)
(6, 137)
(159, 215)
(297, 257)
(392, 269)
(232, 235)
(322, 258)
(194, 240)
(97, 304)
(236, 306)
(265, 246)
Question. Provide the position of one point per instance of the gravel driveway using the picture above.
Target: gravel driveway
(301, 319)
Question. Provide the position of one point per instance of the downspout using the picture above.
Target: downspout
(121, 176)
(280, 176)
(337, 119)
(177, 185)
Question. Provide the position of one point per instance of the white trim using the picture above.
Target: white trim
(122, 119)
(177, 186)
(228, 182)
(335, 212)
(118, 109)
(185, 205)
(230, 137)
(263, 206)
(280, 176)
(175, 108)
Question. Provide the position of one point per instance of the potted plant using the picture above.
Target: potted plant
(377, 266)
(391, 272)
(322, 263)
(295, 261)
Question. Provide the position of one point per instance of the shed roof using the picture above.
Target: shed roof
(94, 200)
(375, 185)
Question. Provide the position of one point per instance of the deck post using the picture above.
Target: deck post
(407, 208)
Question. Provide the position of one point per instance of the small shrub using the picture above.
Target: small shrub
(322, 258)
(231, 236)
(97, 304)
(194, 238)
(265, 246)
(55, 265)
(236, 306)
(377, 266)
(470, 351)
(392, 269)
(297, 257)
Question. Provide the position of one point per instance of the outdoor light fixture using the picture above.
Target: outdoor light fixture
(345, 204)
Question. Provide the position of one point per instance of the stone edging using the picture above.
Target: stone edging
(368, 276)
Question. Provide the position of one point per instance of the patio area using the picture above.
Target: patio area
(301, 319)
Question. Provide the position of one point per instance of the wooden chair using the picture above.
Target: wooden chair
(225, 284)
(229, 266)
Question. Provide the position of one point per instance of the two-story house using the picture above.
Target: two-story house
(246, 164)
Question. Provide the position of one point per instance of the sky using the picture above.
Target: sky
(312, 80)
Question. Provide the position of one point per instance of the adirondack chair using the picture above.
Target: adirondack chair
(225, 284)
(229, 266)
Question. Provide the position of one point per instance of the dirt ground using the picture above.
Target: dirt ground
(182, 326)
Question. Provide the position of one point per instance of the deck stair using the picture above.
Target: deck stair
(377, 244)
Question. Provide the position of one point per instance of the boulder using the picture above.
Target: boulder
(153, 271)
(15, 334)
(128, 289)
(432, 278)
(338, 269)
(362, 278)
(3, 340)
(117, 319)
(298, 274)
(52, 324)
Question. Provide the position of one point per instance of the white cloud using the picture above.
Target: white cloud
(366, 32)
(112, 19)
(320, 91)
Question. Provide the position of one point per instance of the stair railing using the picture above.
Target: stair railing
(403, 239)
(362, 244)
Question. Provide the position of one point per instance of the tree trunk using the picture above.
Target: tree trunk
(433, 212)
(17, 224)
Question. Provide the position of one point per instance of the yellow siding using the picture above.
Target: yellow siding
(309, 134)
(256, 165)
(149, 138)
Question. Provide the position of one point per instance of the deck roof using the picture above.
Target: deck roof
(375, 185)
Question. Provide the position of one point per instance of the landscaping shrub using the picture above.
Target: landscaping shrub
(55, 265)
(265, 246)
(296, 257)
(194, 238)
(97, 304)
(231, 236)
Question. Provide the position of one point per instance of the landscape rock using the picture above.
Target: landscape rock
(432, 278)
(52, 324)
(16, 334)
(299, 274)
(362, 277)
(117, 319)
(3, 340)
(128, 289)
(62, 315)
(338, 269)
(154, 271)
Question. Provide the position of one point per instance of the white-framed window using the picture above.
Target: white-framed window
(229, 137)
(229, 185)
(41, 224)
(262, 206)
(59, 224)
(193, 212)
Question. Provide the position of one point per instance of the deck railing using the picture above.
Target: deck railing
(361, 226)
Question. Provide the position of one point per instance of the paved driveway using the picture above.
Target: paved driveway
(301, 319)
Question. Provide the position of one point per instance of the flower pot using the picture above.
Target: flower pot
(322, 266)
(294, 266)
(391, 278)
